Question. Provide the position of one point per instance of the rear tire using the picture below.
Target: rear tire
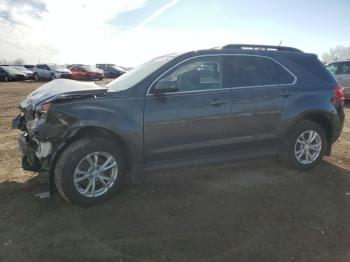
(80, 157)
(305, 146)
(53, 77)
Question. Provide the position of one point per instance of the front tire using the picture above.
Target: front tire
(36, 77)
(306, 145)
(90, 171)
(6, 79)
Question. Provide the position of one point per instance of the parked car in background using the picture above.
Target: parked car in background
(8, 73)
(51, 71)
(104, 66)
(111, 70)
(28, 73)
(86, 72)
(222, 104)
(30, 67)
(114, 71)
(341, 71)
(72, 65)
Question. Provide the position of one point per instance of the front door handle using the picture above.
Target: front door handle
(217, 102)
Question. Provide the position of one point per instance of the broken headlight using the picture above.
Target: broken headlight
(41, 111)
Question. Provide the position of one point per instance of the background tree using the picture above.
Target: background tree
(336, 54)
(18, 61)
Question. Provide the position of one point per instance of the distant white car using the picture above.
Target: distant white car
(341, 71)
(51, 71)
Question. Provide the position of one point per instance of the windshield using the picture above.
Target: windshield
(57, 67)
(9, 69)
(134, 76)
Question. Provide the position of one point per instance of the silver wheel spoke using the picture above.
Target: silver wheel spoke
(314, 135)
(107, 178)
(301, 140)
(316, 147)
(109, 166)
(86, 176)
(103, 182)
(299, 153)
(88, 187)
(93, 187)
(106, 163)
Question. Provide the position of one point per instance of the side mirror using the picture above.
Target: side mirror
(165, 86)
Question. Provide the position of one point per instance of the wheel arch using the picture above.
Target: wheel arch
(321, 118)
(91, 131)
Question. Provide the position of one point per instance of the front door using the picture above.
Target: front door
(191, 121)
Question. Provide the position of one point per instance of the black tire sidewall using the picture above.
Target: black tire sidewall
(69, 159)
(293, 136)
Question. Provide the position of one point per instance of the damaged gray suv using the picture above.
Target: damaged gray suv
(215, 105)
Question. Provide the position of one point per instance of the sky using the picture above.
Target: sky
(131, 32)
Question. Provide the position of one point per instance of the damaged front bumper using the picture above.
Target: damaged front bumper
(36, 151)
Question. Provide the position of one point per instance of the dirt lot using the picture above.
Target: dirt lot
(251, 211)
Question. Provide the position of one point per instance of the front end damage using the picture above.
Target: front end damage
(44, 129)
(37, 142)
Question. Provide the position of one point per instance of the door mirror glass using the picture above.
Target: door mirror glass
(165, 86)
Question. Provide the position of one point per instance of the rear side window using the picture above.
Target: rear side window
(313, 66)
(257, 71)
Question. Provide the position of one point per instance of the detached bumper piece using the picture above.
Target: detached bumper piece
(29, 160)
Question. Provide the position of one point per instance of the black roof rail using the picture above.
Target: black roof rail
(261, 47)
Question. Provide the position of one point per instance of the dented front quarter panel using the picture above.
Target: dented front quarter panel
(120, 116)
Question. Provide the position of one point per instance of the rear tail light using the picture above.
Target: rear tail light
(339, 95)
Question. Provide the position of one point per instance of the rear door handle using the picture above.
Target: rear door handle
(286, 94)
(217, 102)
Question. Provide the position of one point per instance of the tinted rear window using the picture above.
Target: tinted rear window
(312, 65)
(257, 71)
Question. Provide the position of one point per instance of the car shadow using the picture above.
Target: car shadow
(248, 211)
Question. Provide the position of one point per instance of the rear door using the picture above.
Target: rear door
(261, 87)
(192, 121)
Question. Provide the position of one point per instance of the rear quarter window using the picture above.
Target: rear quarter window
(313, 67)
(257, 71)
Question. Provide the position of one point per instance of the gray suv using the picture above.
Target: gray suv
(215, 105)
(50, 71)
(341, 70)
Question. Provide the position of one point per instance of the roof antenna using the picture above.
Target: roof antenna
(280, 43)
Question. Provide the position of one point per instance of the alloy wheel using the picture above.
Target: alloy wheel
(308, 147)
(95, 174)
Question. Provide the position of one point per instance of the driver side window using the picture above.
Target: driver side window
(198, 74)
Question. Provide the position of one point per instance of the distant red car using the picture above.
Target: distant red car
(86, 72)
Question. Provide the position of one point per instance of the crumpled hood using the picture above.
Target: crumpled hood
(60, 88)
